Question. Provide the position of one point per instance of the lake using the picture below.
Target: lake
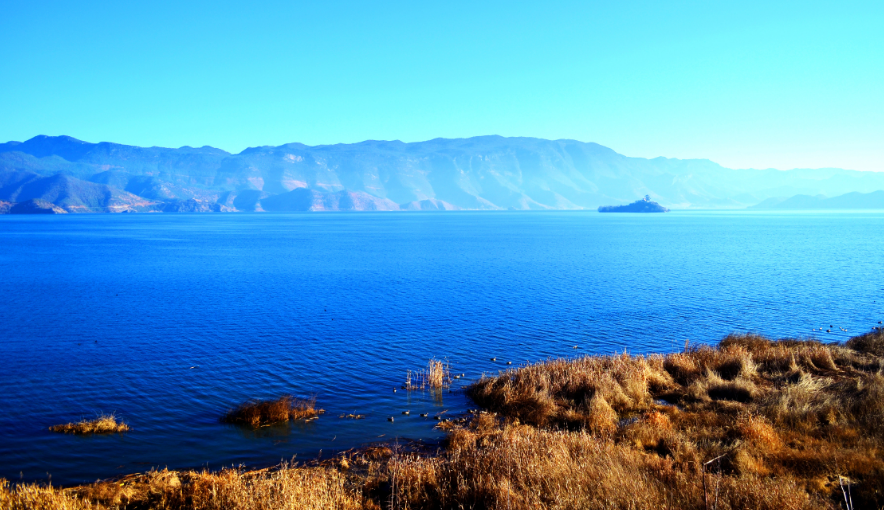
(170, 320)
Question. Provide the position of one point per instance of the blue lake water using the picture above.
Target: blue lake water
(108, 313)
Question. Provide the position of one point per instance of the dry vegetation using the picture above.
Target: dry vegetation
(785, 424)
(287, 487)
(265, 412)
(785, 419)
(436, 376)
(104, 424)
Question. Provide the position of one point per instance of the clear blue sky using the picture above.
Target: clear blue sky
(746, 84)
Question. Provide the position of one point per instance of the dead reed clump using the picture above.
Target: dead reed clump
(264, 412)
(104, 424)
(436, 376)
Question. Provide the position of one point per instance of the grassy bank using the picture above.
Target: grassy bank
(751, 423)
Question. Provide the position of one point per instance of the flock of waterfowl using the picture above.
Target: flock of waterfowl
(842, 329)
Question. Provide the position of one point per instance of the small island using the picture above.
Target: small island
(644, 205)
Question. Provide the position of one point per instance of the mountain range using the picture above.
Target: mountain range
(486, 172)
(847, 201)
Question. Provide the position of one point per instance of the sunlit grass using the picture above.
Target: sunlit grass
(104, 424)
(264, 412)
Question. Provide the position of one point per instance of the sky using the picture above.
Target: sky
(746, 84)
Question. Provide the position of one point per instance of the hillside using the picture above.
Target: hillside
(487, 172)
(874, 200)
(68, 193)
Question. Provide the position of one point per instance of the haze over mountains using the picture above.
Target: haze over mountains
(487, 172)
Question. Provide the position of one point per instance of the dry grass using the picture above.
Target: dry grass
(797, 412)
(104, 424)
(872, 342)
(265, 412)
(436, 376)
(521, 467)
(286, 487)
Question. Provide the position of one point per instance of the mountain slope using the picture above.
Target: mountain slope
(70, 193)
(303, 199)
(486, 172)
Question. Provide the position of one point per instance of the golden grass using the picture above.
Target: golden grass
(798, 412)
(521, 467)
(287, 487)
(264, 412)
(104, 424)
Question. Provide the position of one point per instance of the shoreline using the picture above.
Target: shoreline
(768, 424)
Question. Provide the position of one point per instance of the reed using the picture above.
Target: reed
(259, 413)
(436, 376)
(104, 424)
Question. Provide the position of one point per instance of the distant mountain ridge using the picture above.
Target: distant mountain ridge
(486, 172)
(848, 201)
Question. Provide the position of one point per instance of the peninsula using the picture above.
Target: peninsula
(644, 205)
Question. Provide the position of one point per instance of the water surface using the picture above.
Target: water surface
(108, 313)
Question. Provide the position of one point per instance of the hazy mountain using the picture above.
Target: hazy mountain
(303, 199)
(874, 200)
(429, 204)
(70, 193)
(35, 206)
(487, 172)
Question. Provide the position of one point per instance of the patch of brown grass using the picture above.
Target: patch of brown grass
(871, 343)
(264, 412)
(797, 411)
(522, 467)
(104, 424)
(38, 497)
(287, 486)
